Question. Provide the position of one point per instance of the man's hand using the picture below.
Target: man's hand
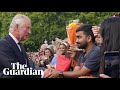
(54, 74)
(73, 49)
(104, 76)
(72, 53)
(95, 30)
(47, 73)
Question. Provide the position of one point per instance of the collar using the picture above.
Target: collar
(16, 41)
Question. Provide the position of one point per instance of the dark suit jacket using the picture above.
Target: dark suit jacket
(10, 53)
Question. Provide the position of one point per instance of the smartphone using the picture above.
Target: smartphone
(112, 64)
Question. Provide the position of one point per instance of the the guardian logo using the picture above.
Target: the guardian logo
(19, 69)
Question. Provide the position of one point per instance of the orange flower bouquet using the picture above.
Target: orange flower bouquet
(71, 31)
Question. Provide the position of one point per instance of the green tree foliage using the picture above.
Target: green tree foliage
(48, 25)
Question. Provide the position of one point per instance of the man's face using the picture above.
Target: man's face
(25, 30)
(81, 40)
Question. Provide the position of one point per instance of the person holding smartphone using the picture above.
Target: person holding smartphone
(110, 32)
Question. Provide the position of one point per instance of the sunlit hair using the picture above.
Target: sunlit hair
(18, 20)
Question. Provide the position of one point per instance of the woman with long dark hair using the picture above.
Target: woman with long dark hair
(110, 32)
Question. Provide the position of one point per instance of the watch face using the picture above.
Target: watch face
(61, 75)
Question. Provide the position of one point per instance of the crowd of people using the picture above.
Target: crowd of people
(85, 55)
(84, 59)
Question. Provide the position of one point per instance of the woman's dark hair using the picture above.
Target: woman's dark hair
(110, 32)
(51, 52)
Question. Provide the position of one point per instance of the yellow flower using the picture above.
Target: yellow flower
(71, 24)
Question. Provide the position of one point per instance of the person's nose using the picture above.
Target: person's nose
(76, 40)
(29, 32)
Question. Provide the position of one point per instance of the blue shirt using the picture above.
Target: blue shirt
(54, 60)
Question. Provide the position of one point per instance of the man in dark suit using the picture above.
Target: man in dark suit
(12, 51)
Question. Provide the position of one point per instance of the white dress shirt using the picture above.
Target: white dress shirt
(16, 41)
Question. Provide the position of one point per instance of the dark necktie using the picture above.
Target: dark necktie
(22, 47)
(23, 51)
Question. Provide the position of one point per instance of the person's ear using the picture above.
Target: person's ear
(16, 27)
(89, 38)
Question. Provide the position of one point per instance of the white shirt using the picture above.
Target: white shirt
(16, 41)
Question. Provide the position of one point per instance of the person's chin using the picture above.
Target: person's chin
(23, 39)
(78, 45)
(81, 47)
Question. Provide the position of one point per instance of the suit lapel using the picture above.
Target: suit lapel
(19, 55)
(24, 53)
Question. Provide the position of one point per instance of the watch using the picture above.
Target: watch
(61, 74)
